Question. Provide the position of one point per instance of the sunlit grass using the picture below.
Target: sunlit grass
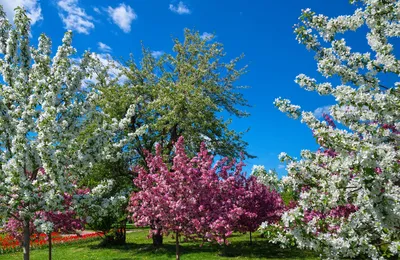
(139, 247)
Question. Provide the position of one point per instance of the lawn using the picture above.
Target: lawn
(139, 247)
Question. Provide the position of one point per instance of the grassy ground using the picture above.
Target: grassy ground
(139, 247)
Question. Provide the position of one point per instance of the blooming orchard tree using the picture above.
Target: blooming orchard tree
(45, 106)
(103, 208)
(65, 221)
(169, 199)
(180, 94)
(236, 203)
(349, 190)
(109, 184)
(260, 204)
(197, 200)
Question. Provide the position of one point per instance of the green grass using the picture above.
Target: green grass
(139, 247)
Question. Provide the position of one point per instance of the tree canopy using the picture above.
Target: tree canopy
(180, 94)
(349, 190)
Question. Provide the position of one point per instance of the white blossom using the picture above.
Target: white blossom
(357, 166)
(51, 130)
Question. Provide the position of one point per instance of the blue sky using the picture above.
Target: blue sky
(261, 29)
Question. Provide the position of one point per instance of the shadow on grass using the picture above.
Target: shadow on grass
(259, 249)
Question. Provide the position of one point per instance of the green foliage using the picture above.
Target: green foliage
(113, 225)
(289, 195)
(180, 94)
(116, 170)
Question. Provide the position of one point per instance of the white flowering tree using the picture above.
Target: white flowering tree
(104, 208)
(268, 178)
(349, 190)
(45, 108)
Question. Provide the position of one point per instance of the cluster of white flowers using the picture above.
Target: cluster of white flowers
(43, 226)
(310, 84)
(51, 130)
(103, 202)
(349, 190)
(286, 106)
(268, 178)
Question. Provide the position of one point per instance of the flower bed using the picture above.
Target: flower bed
(9, 244)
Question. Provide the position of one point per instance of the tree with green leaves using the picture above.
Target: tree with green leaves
(108, 186)
(179, 94)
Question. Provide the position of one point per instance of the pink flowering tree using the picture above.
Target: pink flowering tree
(195, 199)
(260, 204)
(168, 200)
(231, 201)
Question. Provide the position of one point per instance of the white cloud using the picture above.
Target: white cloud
(281, 166)
(74, 17)
(114, 69)
(104, 47)
(32, 8)
(321, 110)
(206, 36)
(157, 54)
(97, 10)
(123, 15)
(181, 8)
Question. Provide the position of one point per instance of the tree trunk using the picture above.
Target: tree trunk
(26, 241)
(177, 245)
(224, 247)
(50, 257)
(125, 232)
(120, 234)
(157, 238)
(251, 241)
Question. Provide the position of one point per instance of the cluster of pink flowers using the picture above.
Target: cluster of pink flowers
(338, 212)
(391, 127)
(195, 199)
(328, 119)
(65, 221)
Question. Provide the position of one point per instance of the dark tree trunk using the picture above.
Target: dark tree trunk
(50, 257)
(251, 240)
(120, 234)
(157, 238)
(125, 232)
(26, 241)
(224, 249)
(177, 246)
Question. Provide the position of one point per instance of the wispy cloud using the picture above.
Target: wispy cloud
(281, 166)
(318, 113)
(180, 8)
(114, 66)
(123, 15)
(32, 8)
(96, 10)
(206, 36)
(74, 17)
(104, 47)
(157, 54)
